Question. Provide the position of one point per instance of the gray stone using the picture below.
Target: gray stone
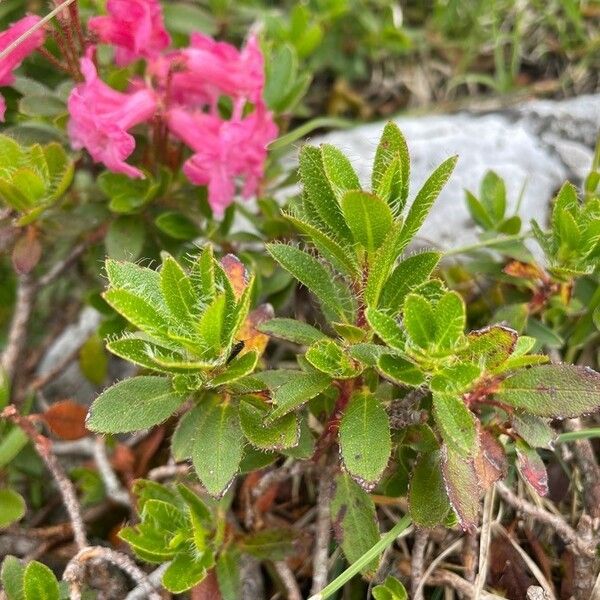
(535, 147)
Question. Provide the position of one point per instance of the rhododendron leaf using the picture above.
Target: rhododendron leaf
(134, 404)
(386, 327)
(177, 226)
(239, 367)
(351, 333)
(410, 273)
(462, 486)
(424, 200)
(419, 320)
(338, 256)
(12, 505)
(457, 379)
(177, 291)
(536, 431)
(427, 496)
(556, 391)
(367, 353)
(218, 446)
(342, 177)
(292, 330)
(390, 188)
(492, 346)
(399, 370)
(126, 195)
(354, 520)
(319, 193)
(125, 238)
(210, 326)
(332, 295)
(203, 275)
(456, 423)
(12, 575)
(532, 468)
(187, 569)
(390, 589)
(269, 544)
(278, 434)
(228, 574)
(306, 442)
(330, 358)
(450, 318)
(363, 422)
(39, 583)
(142, 281)
(297, 388)
(182, 441)
(139, 312)
(368, 217)
(491, 462)
(392, 147)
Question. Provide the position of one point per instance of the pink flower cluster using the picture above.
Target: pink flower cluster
(15, 57)
(185, 90)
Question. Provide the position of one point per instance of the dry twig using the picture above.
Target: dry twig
(322, 533)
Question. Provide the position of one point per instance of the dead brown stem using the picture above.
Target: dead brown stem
(322, 532)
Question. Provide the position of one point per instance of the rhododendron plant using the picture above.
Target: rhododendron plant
(134, 27)
(101, 118)
(16, 56)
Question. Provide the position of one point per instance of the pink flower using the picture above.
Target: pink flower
(14, 58)
(207, 69)
(101, 116)
(224, 151)
(135, 27)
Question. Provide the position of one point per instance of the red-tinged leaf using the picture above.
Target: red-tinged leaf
(524, 271)
(66, 419)
(490, 462)
(491, 345)
(236, 273)
(556, 391)
(249, 334)
(532, 468)
(207, 589)
(462, 487)
(26, 253)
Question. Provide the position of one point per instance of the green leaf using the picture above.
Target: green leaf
(317, 278)
(177, 226)
(182, 442)
(492, 346)
(386, 327)
(126, 195)
(292, 330)
(278, 434)
(392, 147)
(340, 257)
(269, 544)
(419, 320)
(228, 574)
(536, 431)
(556, 391)
(409, 274)
(125, 238)
(427, 497)
(478, 213)
(12, 507)
(368, 217)
(319, 193)
(12, 576)
(39, 582)
(455, 422)
(134, 404)
(218, 446)
(455, 379)
(462, 486)
(93, 360)
(365, 420)
(328, 357)
(424, 200)
(353, 513)
(186, 570)
(299, 389)
(178, 292)
(390, 589)
(239, 367)
(141, 281)
(493, 196)
(450, 319)
(138, 311)
(339, 171)
(399, 370)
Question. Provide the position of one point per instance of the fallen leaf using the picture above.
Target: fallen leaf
(66, 419)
